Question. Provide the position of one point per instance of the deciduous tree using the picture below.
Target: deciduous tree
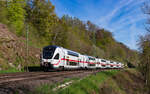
(16, 14)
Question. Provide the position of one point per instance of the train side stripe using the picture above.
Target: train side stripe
(84, 62)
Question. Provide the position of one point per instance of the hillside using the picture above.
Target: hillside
(13, 51)
(46, 28)
(126, 82)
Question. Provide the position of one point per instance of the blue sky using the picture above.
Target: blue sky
(123, 18)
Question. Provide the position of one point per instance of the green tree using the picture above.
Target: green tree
(16, 14)
(145, 57)
(3, 12)
(59, 35)
(144, 44)
(40, 13)
(73, 22)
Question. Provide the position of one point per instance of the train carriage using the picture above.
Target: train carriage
(98, 63)
(72, 60)
(115, 65)
(91, 62)
(108, 64)
(55, 57)
(112, 64)
(82, 60)
(120, 65)
(50, 57)
(103, 63)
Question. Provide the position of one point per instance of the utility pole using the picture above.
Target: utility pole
(94, 39)
(27, 46)
(27, 33)
(27, 39)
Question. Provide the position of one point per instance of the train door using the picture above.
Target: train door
(92, 62)
(115, 65)
(97, 63)
(63, 61)
(81, 58)
(84, 61)
(103, 63)
(108, 64)
(56, 59)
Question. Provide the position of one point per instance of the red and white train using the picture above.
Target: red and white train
(55, 57)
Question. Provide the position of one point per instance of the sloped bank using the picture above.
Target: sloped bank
(13, 51)
(87, 85)
(128, 81)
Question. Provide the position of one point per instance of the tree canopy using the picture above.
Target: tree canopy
(46, 28)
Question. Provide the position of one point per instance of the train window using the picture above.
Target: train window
(73, 63)
(56, 56)
(90, 58)
(89, 64)
(103, 61)
(73, 53)
(111, 62)
(48, 52)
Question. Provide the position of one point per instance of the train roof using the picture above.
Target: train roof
(51, 46)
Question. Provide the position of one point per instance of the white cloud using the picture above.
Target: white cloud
(128, 21)
(115, 11)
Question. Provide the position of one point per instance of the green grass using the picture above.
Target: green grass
(44, 89)
(113, 86)
(48, 89)
(11, 70)
(87, 85)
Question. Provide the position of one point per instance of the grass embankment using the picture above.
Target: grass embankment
(11, 70)
(87, 85)
(130, 81)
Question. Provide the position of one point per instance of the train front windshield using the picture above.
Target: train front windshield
(48, 52)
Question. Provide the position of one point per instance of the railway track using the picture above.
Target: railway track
(7, 78)
(13, 77)
(23, 74)
(28, 81)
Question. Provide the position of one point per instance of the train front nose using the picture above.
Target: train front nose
(47, 63)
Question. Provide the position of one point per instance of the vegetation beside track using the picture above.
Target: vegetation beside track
(11, 70)
(128, 81)
(84, 86)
